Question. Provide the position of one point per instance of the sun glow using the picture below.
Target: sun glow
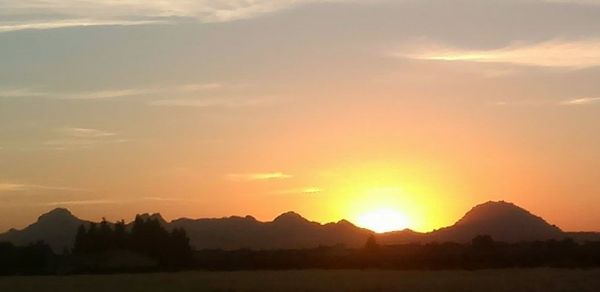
(384, 197)
(383, 220)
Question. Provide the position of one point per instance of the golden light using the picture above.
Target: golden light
(384, 197)
(383, 220)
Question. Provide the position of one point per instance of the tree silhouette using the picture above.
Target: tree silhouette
(147, 237)
(371, 244)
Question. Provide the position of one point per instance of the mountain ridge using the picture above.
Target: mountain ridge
(504, 221)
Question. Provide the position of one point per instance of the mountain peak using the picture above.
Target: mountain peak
(56, 214)
(345, 222)
(497, 211)
(289, 217)
(502, 220)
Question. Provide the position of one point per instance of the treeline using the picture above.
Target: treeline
(482, 253)
(34, 259)
(146, 237)
(147, 246)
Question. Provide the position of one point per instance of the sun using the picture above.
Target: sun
(382, 220)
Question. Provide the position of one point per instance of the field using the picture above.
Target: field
(318, 280)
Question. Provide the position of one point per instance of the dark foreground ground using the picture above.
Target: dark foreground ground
(546, 280)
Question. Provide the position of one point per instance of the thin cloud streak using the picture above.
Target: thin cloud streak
(307, 191)
(74, 13)
(258, 176)
(582, 101)
(20, 187)
(82, 138)
(19, 92)
(66, 23)
(107, 94)
(12, 187)
(82, 202)
(85, 133)
(115, 201)
(569, 102)
(213, 102)
(555, 53)
(82, 144)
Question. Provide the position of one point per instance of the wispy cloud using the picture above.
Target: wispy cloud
(86, 133)
(523, 103)
(110, 93)
(258, 176)
(227, 102)
(73, 13)
(194, 87)
(65, 23)
(81, 138)
(555, 53)
(81, 202)
(19, 187)
(12, 187)
(28, 92)
(549, 102)
(582, 101)
(590, 2)
(19, 92)
(307, 190)
(105, 94)
(96, 201)
(169, 199)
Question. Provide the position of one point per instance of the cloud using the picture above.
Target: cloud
(307, 190)
(100, 94)
(12, 187)
(549, 102)
(194, 87)
(65, 23)
(213, 102)
(73, 13)
(19, 92)
(555, 53)
(258, 176)
(115, 201)
(112, 93)
(19, 187)
(587, 2)
(582, 101)
(78, 144)
(85, 133)
(81, 202)
(169, 199)
(81, 138)
(105, 94)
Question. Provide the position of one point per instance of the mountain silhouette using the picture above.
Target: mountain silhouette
(57, 228)
(290, 218)
(502, 220)
(286, 231)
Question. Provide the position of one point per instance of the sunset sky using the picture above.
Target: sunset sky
(413, 110)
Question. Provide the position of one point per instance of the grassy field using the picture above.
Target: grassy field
(318, 280)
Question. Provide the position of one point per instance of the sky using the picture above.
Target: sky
(411, 111)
